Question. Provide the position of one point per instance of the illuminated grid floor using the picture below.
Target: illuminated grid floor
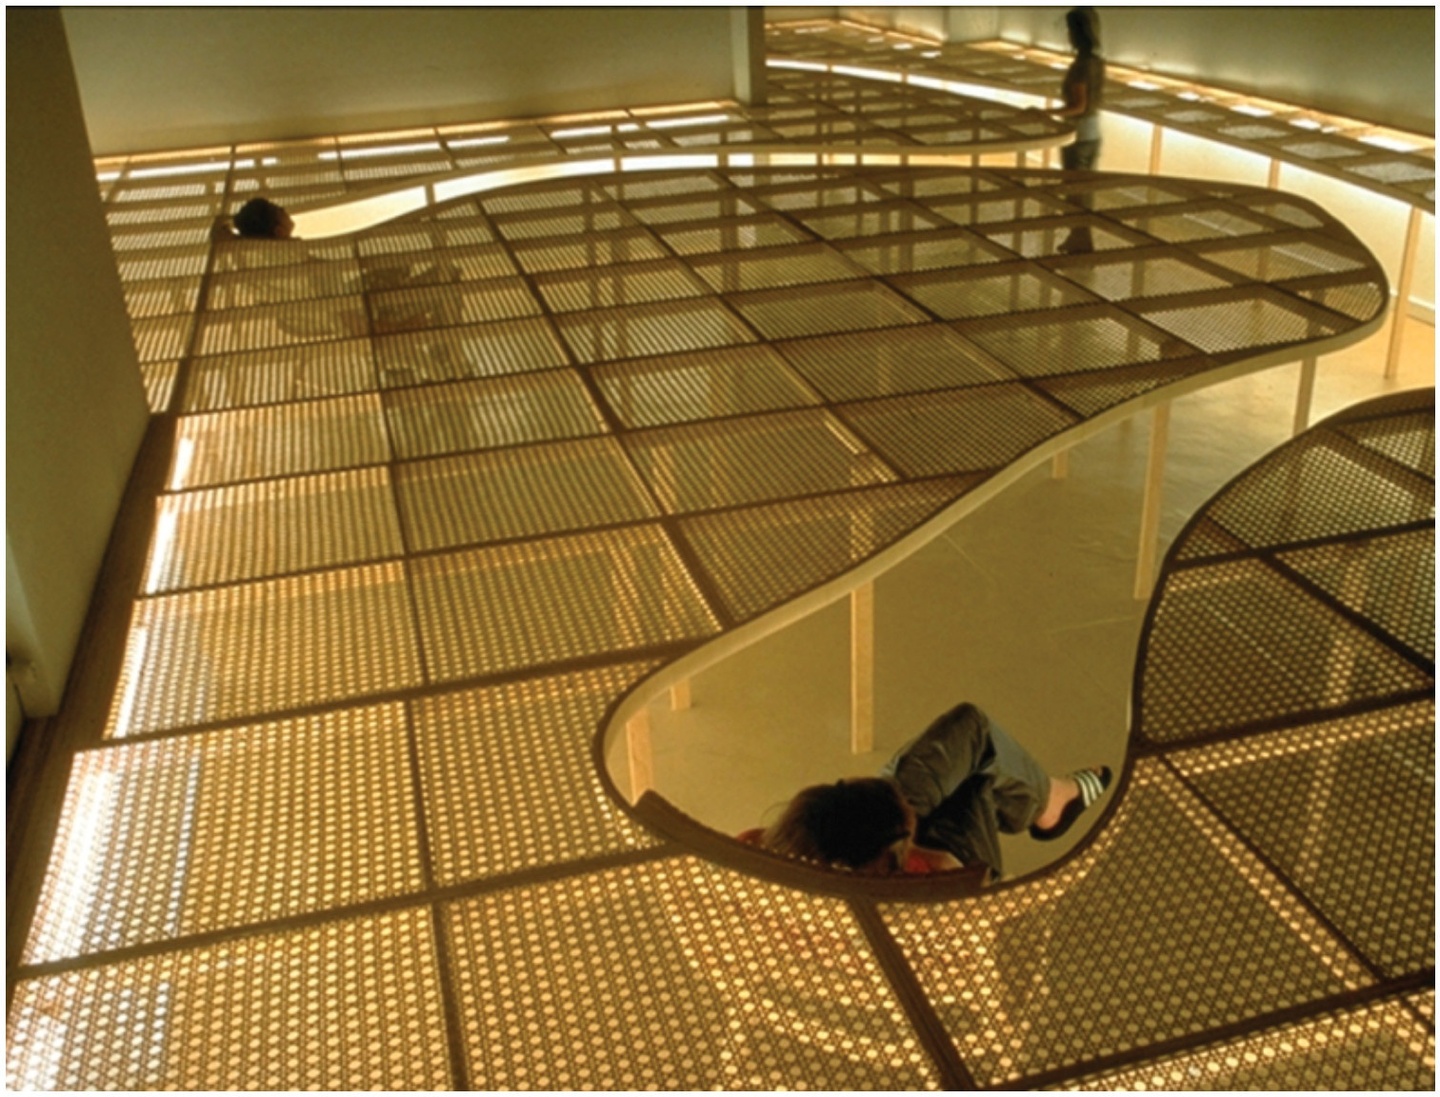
(442, 493)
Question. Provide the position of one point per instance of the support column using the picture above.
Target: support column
(1402, 294)
(1305, 394)
(1060, 465)
(1150, 511)
(639, 754)
(680, 696)
(1156, 142)
(747, 50)
(862, 669)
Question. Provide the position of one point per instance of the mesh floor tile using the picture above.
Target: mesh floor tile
(1052, 343)
(818, 310)
(886, 363)
(1275, 262)
(751, 460)
(159, 381)
(497, 609)
(871, 220)
(1127, 279)
(128, 238)
(734, 235)
(280, 374)
(497, 764)
(348, 1005)
(1317, 489)
(698, 207)
(1372, 1049)
(690, 949)
(1234, 644)
(400, 240)
(1060, 970)
(705, 385)
(519, 493)
(1408, 439)
(989, 209)
(257, 530)
(1346, 811)
(656, 186)
(447, 305)
(1048, 240)
(763, 556)
(1390, 581)
(278, 441)
(1088, 394)
(566, 195)
(665, 328)
(470, 351)
(170, 263)
(925, 251)
(628, 284)
(164, 297)
(277, 285)
(264, 647)
(282, 325)
(968, 431)
(161, 338)
(468, 264)
(1179, 226)
(230, 828)
(566, 222)
(590, 251)
(952, 295)
(775, 267)
(532, 407)
(1243, 324)
(809, 196)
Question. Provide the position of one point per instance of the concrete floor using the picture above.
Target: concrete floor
(1025, 607)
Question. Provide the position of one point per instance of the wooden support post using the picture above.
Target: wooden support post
(1305, 394)
(862, 669)
(1156, 141)
(639, 754)
(1150, 511)
(680, 696)
(1402, 294)
(1273, 180)
(1060, 465)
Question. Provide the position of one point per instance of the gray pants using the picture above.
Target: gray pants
(967, 780)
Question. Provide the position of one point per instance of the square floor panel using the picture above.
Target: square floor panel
(240, 651)
(620, 284)
(604, 335)
(956, 295)
(817, 310)
(1244, 322)
(231, 828)
(954, 432)
(491, 798)
(507, 411)
(468, 351)
(347, 1005)
(499, 609)
(743, 984)
(735, 234)
(597, 249)
(709, 384)
(871, 220)
(924, 251)
(772, 268)
(280, 375)
(448, 305)
(283, 325)
(519, 492)
(1153, 275)
(1049, 344)
(283, 440)
(863, 365)
(256, 530)
(749, 460)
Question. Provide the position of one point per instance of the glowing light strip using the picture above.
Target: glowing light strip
(475, 142)
(694, 120)
(184, 458)
(382, 150)
(160, 554)
(180, 169)
(132, 682)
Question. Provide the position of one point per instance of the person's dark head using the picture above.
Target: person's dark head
(262, 219)
(857, 824)
(1084, 27)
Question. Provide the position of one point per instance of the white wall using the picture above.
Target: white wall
(154, 78)
(74, 406)
(1371, 63)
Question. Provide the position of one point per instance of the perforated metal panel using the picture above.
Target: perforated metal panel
(690, 948)
(615, 416)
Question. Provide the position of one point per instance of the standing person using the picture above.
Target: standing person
(1083, 91)
(941, 803)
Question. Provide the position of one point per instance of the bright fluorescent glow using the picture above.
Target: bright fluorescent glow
(78, 881)
(789, 63)
(1144, 85)
(107, 176)
(580, 131)
(1305, 123)
(181, 169)
(382, 150)
(160, 554)
(693, 120)
(868, 74)
(1393, 144)
(476, 142)
(361, 213)
(1253, 112)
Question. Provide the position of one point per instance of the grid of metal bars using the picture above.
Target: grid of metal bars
(427, 519)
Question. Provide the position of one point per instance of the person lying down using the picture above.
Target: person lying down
(939, 805)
